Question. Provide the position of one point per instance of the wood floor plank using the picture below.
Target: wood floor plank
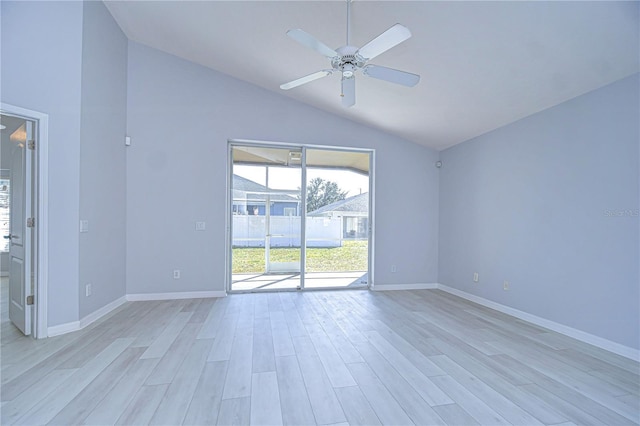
(213, 321)
(117, 399)
(82, 405)
(14, 409)
(143, 405)
(56, 401)
(356, 407)
(235, 412)
(469, 402)
(597, 390)
(325, 404)
(34, 353)
(174, 356)
(453, 414)
(412, 402)
(265, 399)
(263, 358)
(153, 325)
(500, 403)
(427, 390)
(238, 381)
(205, 404)
(12, 388)
(221, 348)
(333, 364)
(384, 405)
(160, 346)
(175, 403)
(282, 343)
(202, 310)
(564, 399)
(296, 408)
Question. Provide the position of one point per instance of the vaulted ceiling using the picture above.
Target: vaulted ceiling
(482, 64)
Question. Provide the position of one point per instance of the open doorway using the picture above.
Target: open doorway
(20, 268)
(299, 217)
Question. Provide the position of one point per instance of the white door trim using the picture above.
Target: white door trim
(41, 259)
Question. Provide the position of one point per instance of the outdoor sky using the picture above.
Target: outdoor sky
(289, 178)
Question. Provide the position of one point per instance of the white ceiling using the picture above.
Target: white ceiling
(483, 64)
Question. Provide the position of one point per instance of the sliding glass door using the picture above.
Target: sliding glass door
(337, 218)
(299, 217)
(266, 217)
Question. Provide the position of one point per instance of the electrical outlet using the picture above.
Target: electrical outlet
(84, 226)
(394, 269)
(87, 290)
(176, 274)
(505, 285)
(476, 277)
(200, 226)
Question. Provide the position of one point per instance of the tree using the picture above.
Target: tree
(321, 192)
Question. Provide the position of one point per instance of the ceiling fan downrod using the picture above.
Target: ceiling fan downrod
(348, 22)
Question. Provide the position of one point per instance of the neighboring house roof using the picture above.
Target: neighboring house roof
(246, 185)
(244, 188)
(358, 205)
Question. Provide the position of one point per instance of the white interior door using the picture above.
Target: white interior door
(20, 237)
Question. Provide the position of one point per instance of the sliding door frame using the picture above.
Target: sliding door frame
(231, 143)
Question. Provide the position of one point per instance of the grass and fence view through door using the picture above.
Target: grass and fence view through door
(267, 218)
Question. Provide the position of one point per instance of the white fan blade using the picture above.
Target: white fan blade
(306, 79)
(348, 92)
(385, 41)
(391, 75)
(308, 40)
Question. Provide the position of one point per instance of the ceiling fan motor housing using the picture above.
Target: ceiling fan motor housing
(348, 61)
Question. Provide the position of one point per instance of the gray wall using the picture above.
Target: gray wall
(103, 166)
(70, 63)
(537, 203)
(41, 70)
(180, 116)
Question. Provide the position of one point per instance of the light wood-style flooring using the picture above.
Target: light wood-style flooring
(343, 357)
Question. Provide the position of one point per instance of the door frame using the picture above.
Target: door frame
(40, 197)
(229, 216)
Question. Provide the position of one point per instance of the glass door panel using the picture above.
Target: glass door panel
(337, 218)
(266, 218)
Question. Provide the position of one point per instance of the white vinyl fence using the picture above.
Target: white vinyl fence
(249, 231)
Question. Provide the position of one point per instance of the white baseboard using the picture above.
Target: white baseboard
(94, 316)
(175, 295)
(591, 339)
(68, 327)
(65, 328)
(417, 286)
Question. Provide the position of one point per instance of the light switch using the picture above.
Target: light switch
(84, 226)
(200, 226)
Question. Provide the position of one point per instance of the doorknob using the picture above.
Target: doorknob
(8, 237)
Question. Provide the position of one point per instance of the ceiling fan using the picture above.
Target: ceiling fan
(349, 59)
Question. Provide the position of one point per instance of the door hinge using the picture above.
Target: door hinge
(31, 222)
(32, 144)
(30, 300)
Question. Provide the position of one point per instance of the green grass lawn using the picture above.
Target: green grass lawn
(352, 256)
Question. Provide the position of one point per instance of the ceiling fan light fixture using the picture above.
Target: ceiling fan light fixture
(348, 71)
